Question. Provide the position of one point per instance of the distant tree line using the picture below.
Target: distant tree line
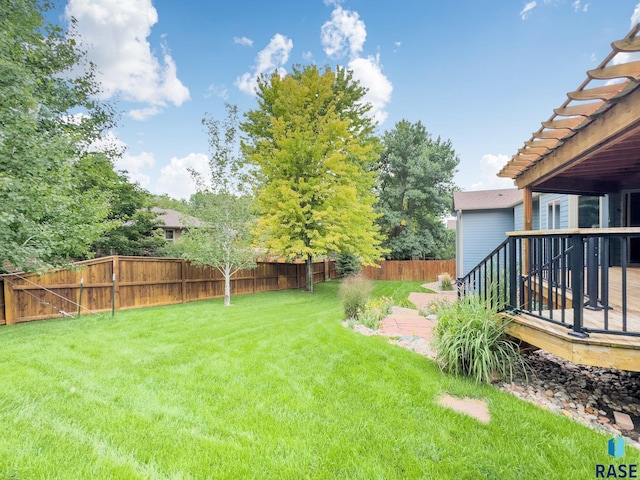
(303, 174)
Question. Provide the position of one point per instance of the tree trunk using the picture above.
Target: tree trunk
(227, 287)
(310, 273)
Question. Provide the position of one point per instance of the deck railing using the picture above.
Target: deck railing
(580, 279)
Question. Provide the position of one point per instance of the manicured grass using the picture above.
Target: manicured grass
(273, 387)
(398, 290)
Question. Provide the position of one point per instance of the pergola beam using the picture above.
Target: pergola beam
(612, 124)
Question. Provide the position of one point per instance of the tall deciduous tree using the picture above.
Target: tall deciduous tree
(224, 241)
(416, 187)
(48, 117)
(312, 146)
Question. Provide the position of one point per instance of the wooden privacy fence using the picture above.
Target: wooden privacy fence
(420, 270)
(133, 282)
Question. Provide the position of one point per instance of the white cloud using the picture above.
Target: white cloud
(578, 6)
(115, 34)
(144, 113)
(134, 166)
(490, 165)
(526, 11)
(135, 163)
(219, 91)
(269, 60)
(175, 180)
(244, 41)
(635, 17)
(344, 33)
(307, 56)
(369, 73)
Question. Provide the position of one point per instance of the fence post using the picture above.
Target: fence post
(115, 302)
(9, 306)
(255, 275)
(183, 278)
(577, 283)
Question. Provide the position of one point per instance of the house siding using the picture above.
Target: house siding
(518, 215)
(481, 232)
(563, 200)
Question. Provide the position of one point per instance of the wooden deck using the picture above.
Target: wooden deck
(603, 350)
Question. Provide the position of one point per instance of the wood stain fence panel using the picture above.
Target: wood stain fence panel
(410, 270)
(134, 282)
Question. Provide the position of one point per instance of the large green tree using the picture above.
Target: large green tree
(48, 118)
(312, 148)
(223, 241)
(416, 187)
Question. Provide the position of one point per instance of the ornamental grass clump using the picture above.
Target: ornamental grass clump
(446, 283)
(470, 340)
(353, 294)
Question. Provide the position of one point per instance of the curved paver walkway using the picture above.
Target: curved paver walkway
(405, 322)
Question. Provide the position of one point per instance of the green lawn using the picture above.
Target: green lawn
(399, 291)
(273, 387)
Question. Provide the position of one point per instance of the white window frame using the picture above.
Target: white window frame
(553, 221)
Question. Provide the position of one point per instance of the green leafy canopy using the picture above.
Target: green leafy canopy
(416, 188)
(48, 116)
(313, 150)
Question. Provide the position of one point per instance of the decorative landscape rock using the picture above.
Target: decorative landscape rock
(590, 395)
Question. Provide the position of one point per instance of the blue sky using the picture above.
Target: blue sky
(482, 73)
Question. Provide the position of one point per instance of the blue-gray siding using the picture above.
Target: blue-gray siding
(563, 200)
(479, 233)
(518, 216)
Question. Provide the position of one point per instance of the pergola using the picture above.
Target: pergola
(591, 143)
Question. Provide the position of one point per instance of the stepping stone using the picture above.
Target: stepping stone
(623, 420)
(469, 406)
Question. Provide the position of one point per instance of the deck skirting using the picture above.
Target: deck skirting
(598, 350)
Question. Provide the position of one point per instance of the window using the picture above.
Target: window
(169, 235)
(553, 215)
(588, 212)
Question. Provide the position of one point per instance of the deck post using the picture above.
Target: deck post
(592, 274)
(577, 283)
(527, 206)
(513, 274)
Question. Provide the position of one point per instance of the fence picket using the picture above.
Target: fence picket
(139, 282)
(410, 270)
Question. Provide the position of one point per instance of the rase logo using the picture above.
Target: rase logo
(615, 448)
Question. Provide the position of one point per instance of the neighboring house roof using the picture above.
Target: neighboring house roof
(175, 219)
(487, 199)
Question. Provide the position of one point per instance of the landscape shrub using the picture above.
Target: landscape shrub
(353, 294)
(347, 264)
(469, 339)
(446, 283)
(375, 311)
